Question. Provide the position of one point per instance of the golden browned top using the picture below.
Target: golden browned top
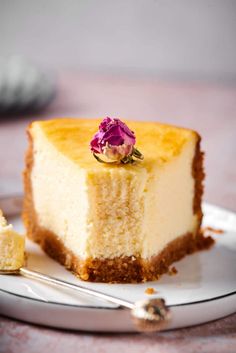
(157, 142)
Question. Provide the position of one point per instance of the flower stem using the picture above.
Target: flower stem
(137, 154)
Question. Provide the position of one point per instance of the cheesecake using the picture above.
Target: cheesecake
(114, 222)
(12, 247)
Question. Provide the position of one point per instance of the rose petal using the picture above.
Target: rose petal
(95, 143)
(105, 123)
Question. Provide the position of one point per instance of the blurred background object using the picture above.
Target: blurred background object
(167, 60)
(23, 87)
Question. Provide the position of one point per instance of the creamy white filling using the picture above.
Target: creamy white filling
(115, 212)
(60, 195)
(169, 202)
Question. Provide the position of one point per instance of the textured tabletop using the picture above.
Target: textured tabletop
(217, 337)
(209, 108)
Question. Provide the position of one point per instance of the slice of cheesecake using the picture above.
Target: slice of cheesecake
(12, 247)
(114, 223)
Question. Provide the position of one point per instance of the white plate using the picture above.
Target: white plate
(204, 288)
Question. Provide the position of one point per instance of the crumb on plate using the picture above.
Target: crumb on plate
(212, 230)
(150, 291)
(172, 271)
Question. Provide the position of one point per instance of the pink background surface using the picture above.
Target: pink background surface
(217, 337)
(209, 108)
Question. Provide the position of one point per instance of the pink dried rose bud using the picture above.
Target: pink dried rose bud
(116, 141)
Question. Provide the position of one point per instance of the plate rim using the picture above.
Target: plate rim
(113, 308)
(19, 197)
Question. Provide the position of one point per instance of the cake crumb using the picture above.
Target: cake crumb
(84, 276)
(212, 230)
(150, 291)
(172, 271)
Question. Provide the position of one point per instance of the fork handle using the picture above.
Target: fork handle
(58, 282)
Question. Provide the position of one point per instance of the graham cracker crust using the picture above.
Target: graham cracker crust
(129, 269)
(198, 175)
(120, 269)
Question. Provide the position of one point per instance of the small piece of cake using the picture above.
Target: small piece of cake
(117, 222)
(12, 247)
